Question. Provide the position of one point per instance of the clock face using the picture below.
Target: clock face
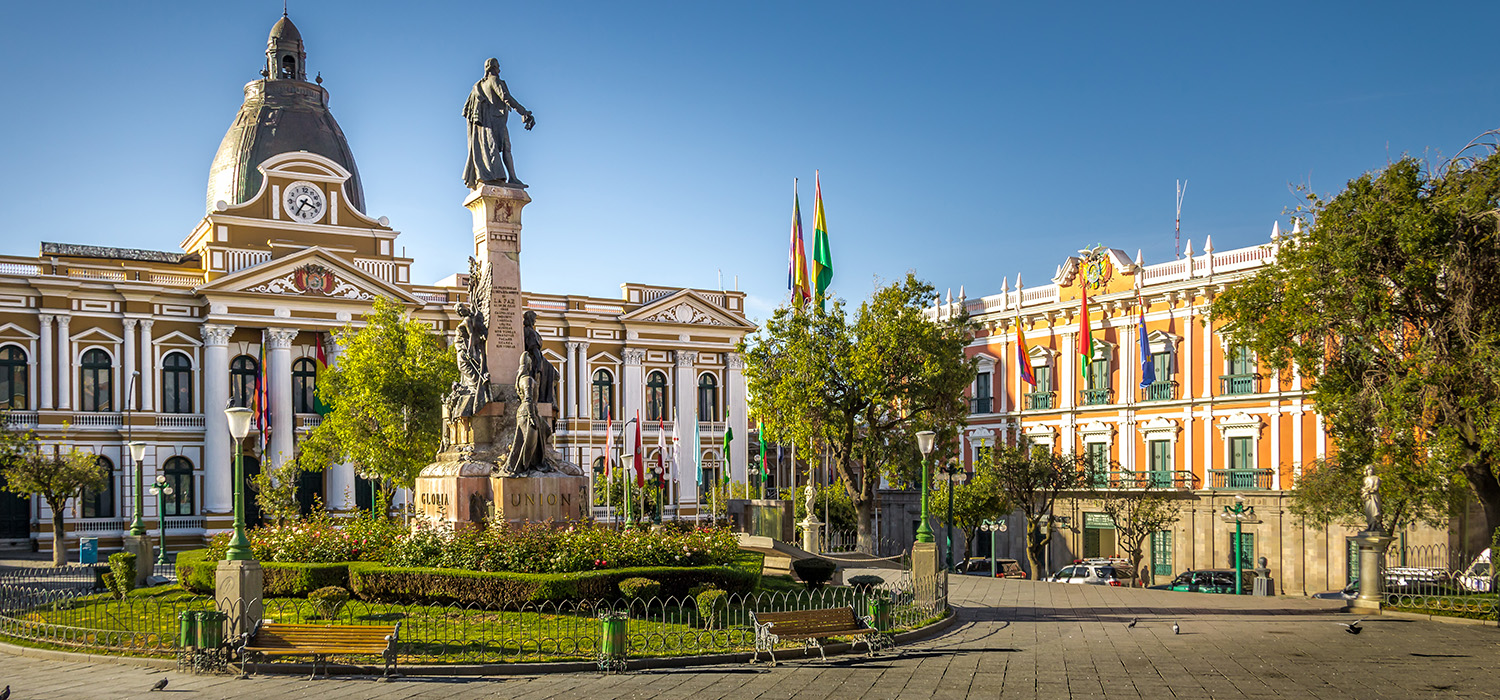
(304, 202)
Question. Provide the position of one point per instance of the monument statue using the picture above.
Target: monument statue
(812, 499)
(1370, 493)
(533, 434)
(472, 390)
(541, 370)
(487, 112)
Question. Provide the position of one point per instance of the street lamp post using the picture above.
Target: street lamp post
(239, 427)
(159, 489)
(658, 477)
(1239, 513)
(994, 527)
(925, 439)
(955, 476)
(138, 518)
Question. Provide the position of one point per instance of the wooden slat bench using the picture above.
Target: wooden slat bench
(270, 639)
(813, 626)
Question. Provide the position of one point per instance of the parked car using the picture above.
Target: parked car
(1209, 581)
(980, 566)
(1476, 578)
(1349, 592)
(1096, 572)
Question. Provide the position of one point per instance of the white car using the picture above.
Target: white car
(1107, 572)
(1476, 578)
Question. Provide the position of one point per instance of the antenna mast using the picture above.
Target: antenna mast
(1181, 189)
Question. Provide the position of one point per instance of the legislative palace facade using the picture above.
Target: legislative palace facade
(1213, 428)
(100, 346)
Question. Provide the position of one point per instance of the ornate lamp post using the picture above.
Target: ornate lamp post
(925, 439)
(994, 527)
(138, 518)
(955, 476)
(1239, 514)
(239, 427)
(159, 489)
(658, 475)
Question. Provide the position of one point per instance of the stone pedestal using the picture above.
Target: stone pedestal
(812, 534)
(1372, 546)
(924, 572)
(145, 558)
(458, 494)
(555, 498)
(239, 592)
(497, 243)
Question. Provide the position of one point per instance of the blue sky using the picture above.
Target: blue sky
(966, 142)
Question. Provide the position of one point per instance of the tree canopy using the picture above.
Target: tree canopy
(1032, 478)
(860, 387)
(978, 499)
(1386, 307)
(385, 399)
(55, 473)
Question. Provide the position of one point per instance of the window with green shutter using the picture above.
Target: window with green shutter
(1241, 360)
(1247, 551)
(1161, 553)
(1043, 376)
(1098, 463)
(1161, 463)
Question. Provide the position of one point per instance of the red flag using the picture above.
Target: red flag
(640, 464)
(1085, 334)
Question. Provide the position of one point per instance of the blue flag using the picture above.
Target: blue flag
(1148, 368)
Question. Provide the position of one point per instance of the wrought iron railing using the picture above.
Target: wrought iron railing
(1160, 390)
(1439, 580)
(439, 634)
(843, 541)
(1096, 397)
(1125, 479)
(982, 404)
(1239, 479)
(1040, 400)
(1233, 384)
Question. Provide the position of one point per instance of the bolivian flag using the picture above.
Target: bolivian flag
(1085, 334)
(796, 271)
(822, 262)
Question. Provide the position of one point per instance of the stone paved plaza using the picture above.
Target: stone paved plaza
(1013, 639)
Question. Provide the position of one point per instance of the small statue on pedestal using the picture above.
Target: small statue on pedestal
(487, 112)
(1370, 493)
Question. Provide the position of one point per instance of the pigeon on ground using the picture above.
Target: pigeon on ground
(1132, 622)
(1176, 629)
(160, 685)
(5, 694)
(1353, 627)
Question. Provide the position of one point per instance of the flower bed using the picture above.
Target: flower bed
(539, 549)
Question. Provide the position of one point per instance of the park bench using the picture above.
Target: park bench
(813, 626)
(270, 639)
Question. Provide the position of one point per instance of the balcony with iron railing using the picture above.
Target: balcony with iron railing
(1096, 397)
(982, 404)
(1235, 384)
(1239, 479)
(1041, 400)
(1125, 479)
(1160, 390)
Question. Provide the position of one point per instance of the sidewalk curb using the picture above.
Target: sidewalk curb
(1403, 615)
(514, 669)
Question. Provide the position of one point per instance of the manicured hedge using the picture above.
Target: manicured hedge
(392, 584)
(195, 571)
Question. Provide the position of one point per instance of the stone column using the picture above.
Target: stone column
(1372, 546)
(632, 386)
(687, 419)
(340, 495)
(44, 361)
(64, 364)
(218, 453)
(734, 389)
(127, 344)
(148, 368)
(283, 421)
(585, 384)
(570, 380)
(497, 243)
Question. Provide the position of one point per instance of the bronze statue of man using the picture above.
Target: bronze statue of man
(487, 112)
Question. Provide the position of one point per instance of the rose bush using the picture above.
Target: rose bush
(539, 549)
(318, 539)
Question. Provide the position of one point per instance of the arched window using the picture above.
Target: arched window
(93, 381)
(304, 386)
(179, 474)
(708, 398)
(100, 502)
(656, 396)
(603, 393)
(176, 383)
(13, 378)
(242, 374)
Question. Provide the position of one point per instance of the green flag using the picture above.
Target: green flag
(822, 262)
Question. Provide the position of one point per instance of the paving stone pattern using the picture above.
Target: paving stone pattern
(1014, 639)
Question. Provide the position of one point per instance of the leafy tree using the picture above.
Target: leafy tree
(1139, 508)
(861, 387)
(385, 396)
(1032, 478)
(1386, 306)
(1329, 492)
(276, 492)
(974, 501)
(55, 474)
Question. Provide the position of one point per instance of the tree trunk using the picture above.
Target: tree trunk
(1036, 550)
(864, 511)
(1486, 488)
(59, 537)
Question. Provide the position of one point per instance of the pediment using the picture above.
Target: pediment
(11, 330)
(177, 338)
(685, 308)
(312, 273)
(95, 335)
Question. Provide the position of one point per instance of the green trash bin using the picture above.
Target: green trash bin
(614, 640)
(187, 629)
(880, 611)
(211, 628)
